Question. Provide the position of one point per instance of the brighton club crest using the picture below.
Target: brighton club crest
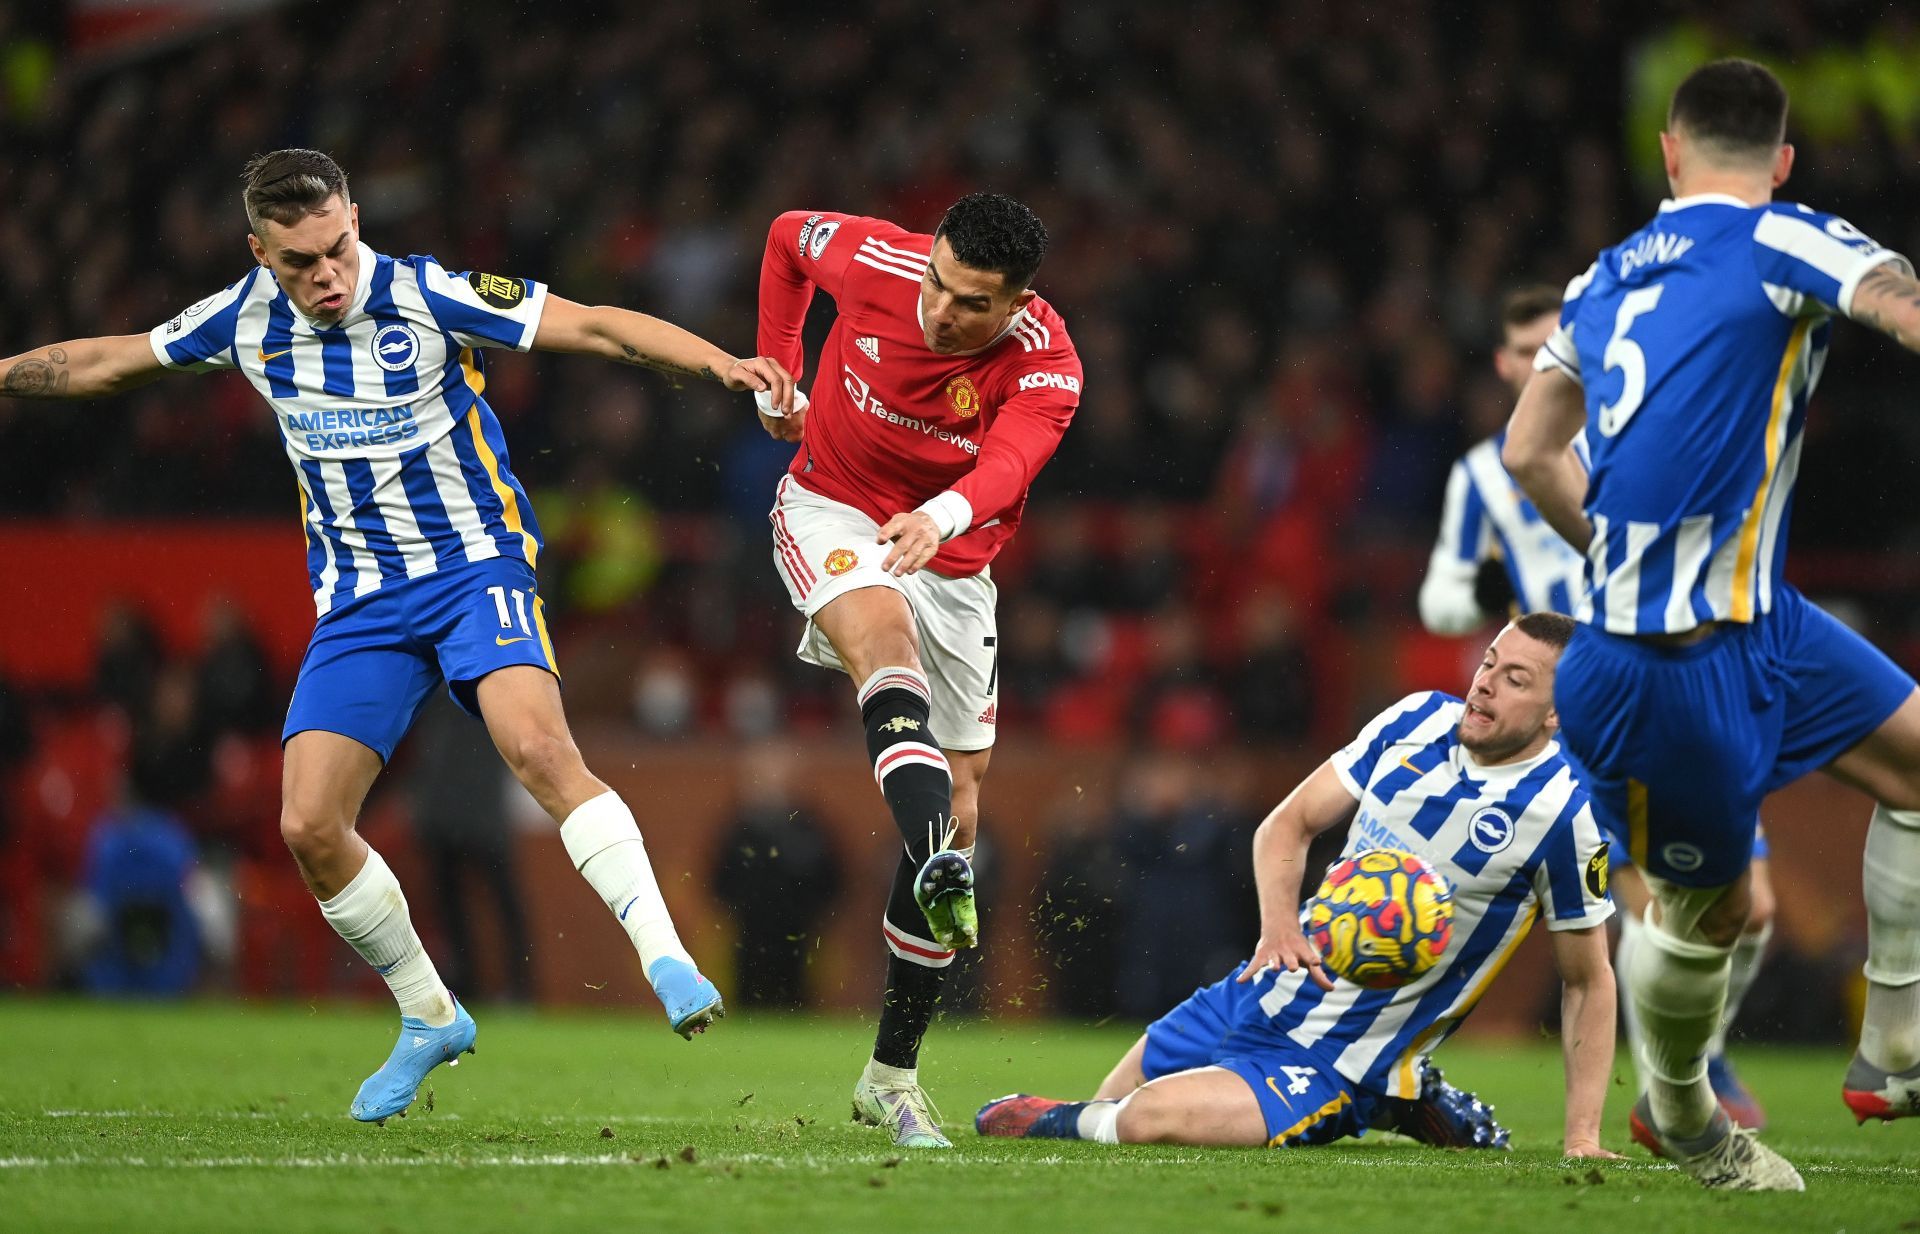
(964, 396)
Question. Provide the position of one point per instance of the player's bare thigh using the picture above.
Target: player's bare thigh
(528, 724)
(324, 778)
(1127, 1074)
(1886, 765)
(871, 628)
(1208, 1107)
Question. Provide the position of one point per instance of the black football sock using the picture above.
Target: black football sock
(916, 971)
(907, 763)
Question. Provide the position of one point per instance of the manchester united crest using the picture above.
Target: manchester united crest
(964, 396)
(840, 560)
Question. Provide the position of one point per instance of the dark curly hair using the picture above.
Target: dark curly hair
(989, 231)
(1553, 629)
(1735, 105)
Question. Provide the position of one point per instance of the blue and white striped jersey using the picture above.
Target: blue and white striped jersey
(1699, 340)
(1516, 841)
(1486, 513)
(401, 464)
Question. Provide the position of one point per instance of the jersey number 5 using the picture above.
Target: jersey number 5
(1624, 354)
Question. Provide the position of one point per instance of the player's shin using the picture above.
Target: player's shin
(1626, 959)
(1890, 1029)
(908, 764)
(1748, 954)
(1678, 985)
(371, 914)
(916, 972)
(604, 843)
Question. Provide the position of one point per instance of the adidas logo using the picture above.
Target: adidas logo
(869, 347)
(989, 715)
(418, 1042)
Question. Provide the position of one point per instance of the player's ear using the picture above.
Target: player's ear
(259, 250)
(1021, 299)
(1670, 153)
(1782, 164)
(353, 218)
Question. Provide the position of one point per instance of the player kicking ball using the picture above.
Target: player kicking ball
(420, 550)
(1699, 679)
(944, 386)
(1279, 1054)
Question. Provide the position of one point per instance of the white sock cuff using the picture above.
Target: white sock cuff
(885, 678)
(1910, 819)
(1688, 952)
(1099, 1121)
(1891, 883)
(595, 826)
(374, 878)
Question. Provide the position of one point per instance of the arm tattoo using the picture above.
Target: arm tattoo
(635, 356)
(38, 378)
(1878, 300)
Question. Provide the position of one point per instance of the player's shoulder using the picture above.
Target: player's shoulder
(1423, 715)
(1038, 351)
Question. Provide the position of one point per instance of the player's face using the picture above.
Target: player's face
(1514, 359)
(1510, 712)
(317, 259)
(961, 308)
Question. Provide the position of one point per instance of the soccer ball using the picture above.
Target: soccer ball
(1382, 918)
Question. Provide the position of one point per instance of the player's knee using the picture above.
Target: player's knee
(542, 760)
(311, 834)
(1149, 1116)
(1760, 915)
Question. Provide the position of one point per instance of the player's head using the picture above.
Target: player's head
(1728, 118)
(1527, 316)
(305, 229)
(985, 252)
(1510, 713)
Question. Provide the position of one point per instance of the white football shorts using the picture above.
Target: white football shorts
(824, 549)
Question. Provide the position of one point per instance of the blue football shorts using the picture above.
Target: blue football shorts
(371, 664)
(1681, 744)
(1303, 1099)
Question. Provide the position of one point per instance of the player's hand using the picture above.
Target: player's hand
(790, 427)
(1588, 1148)
(1290, 951)
(915, 541)
(759, 373)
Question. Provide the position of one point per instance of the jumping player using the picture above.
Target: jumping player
(1281, 1055)
(420, 551)
(944, 386)
(1699, 679)
(1494, 551)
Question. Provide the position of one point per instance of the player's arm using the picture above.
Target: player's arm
(1586, 1032)
(82, 368)
(1449, 603)
(1024, 436)
(1540, 456)
(1888, 299)
(805, 249)
(1279, 864)
(635, 338)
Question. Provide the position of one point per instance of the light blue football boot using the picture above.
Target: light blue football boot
(692, 1002)
(421, 1048)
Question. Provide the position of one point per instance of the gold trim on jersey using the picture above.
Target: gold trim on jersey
(1408, 1086)
(1744, 563)
(509, 504)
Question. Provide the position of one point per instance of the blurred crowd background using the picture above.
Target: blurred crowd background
(1281, 233)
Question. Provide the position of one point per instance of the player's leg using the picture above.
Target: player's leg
(1127, 1074)
(1208, 1107)
(522, 708)
(1749, 953)
(1884, 1080)
(356, 694)
(487, 626)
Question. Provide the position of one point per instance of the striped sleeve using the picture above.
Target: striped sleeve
(482, 310)
(1355, 764)
(1559, 352)
(200, 339)
(1447, 605)
(1572, 879)
(1803, 253)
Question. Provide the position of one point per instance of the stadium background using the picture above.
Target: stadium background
(1280, 238)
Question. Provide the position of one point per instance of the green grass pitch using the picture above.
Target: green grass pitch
(207, 1117)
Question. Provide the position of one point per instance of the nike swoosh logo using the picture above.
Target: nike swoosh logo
(1410, 767)
(630, 904)
(264, 357)
(504, 642)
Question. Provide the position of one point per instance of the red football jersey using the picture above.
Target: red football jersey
(893, 424)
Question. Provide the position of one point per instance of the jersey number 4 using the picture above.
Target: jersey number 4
(1624, 354)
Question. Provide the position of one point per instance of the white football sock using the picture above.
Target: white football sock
(1099, 1121)
(1679, 990)
(371, 914)
(885, 1076)
(1625, 956)
(1890, 1029)
(604, 843)
(1748, 954)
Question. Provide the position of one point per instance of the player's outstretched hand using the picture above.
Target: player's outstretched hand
(915, 540)
(1587, 1148)
(762, 373)
(788, 427)
(1289, 951)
